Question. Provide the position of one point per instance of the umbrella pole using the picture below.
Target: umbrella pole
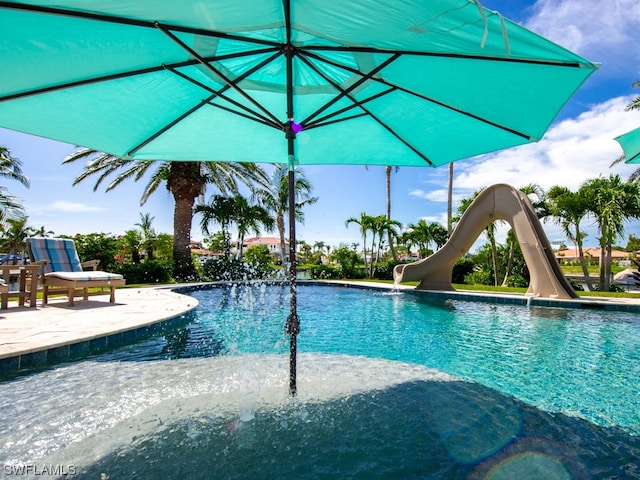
(292, 326)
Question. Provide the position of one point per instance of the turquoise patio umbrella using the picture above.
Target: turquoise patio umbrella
(373, 82)
(630, 143)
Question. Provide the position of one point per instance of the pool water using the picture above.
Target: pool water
(582, 362)
(390, 384)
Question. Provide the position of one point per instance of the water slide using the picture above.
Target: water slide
(498, 202)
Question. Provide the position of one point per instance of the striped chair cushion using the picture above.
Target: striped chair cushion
(86, 276)
(60, 252)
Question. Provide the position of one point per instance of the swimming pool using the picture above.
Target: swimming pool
(390, 384)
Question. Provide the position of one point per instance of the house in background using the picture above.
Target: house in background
(592, 255)
(272, 243)
(202, 254)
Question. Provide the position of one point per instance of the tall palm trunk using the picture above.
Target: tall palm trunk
(607, 268)
(283, 246)
(494, 252)
(602, 276)
(390, 236)
(583, 260)
(182, 216)
(185, 182)
(512, 247)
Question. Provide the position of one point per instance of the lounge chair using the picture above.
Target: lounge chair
(4, 295)
(62, 271)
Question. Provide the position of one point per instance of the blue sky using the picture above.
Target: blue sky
(578, 146)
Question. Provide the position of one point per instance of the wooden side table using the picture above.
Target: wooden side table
(27, 280)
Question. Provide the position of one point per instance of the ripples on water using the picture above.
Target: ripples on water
(535, 393)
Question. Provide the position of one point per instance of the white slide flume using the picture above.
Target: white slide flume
(498, 202)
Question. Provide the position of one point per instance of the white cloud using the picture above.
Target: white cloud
(438, 195)
(600, 30)
(65, 206)
(571, 152)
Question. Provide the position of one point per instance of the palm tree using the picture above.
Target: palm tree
(465, 203)
(423, 233)
(43, 232)
(612, 202)
(11, 169)
(305, 251)
(366, 224)
(13, 240)
(439, 235)
(382, 225)
(569, 209)
(185, 180)
(249, 218)
(236, 209)
(635, 103)
(420, 235)
(274, 196)
(10, 207)
(148, 234)
(537, 197)
(220, 210)
(132, 242)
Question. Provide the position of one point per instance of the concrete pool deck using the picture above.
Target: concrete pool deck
(31, 337)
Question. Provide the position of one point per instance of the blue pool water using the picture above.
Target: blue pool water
(582, 362)
(390, 385)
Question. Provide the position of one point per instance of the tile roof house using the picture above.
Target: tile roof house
(273, 243)
(592, 254)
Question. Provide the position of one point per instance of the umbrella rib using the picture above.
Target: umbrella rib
(207, 101)
(219, 93)
(252, 117)
(321, 121)
(132, 73)
(131, 21)
(423, 97)
(345, 92)
(395, 134)
(556, 63)
(317, 123)
(215, 71)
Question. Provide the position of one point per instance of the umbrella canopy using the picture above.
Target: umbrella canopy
(412, 83)
(374, 82)
(630, 143)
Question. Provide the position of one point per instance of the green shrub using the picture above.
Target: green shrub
(481, 277)
(223, 269)
(347, 259)
(151, 271)
(517, 281)
(384, 270)
(233, 269)
(97, 246)
(258, 260)
(461, 269)
(324, 272)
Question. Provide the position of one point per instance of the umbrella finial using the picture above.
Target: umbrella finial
(292, 128)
